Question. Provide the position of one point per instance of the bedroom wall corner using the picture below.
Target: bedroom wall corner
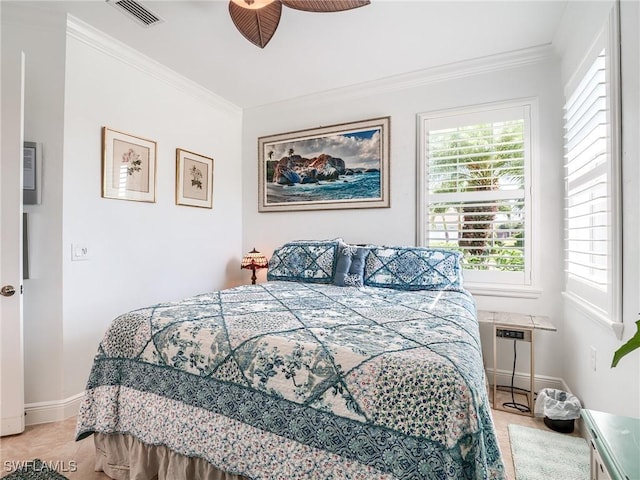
(140, 253)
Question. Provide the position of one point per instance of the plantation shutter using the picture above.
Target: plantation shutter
(591, 186)
(477, 195)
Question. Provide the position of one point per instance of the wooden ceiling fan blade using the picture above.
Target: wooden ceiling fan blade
(324, 5)
(257, 25)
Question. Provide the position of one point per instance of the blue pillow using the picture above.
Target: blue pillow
(350, 265)
(413, 268)
(304, 261)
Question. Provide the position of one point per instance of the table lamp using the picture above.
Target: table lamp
(253, 261)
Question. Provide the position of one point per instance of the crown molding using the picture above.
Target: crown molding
(89, 35)
(85, 33)
(428, 76)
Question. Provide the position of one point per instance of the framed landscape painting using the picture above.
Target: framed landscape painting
(335, 167)
(128, 167)
(194, 179)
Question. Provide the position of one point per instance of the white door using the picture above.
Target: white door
(11, 348)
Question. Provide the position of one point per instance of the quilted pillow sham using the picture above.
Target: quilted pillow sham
(304, 261)
(350, 265)
(413, 268)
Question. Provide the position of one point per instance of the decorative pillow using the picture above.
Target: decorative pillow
(333, 240)
(304, 261)
(413, 268)
(350, 265)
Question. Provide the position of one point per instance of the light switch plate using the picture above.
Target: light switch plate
(79, 251)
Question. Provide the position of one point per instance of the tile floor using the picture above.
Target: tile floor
(54, 442)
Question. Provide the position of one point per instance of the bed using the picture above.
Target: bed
(350, 362)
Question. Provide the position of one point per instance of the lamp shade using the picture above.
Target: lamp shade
(254, 260)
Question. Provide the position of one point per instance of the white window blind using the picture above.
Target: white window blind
(477, 198)
(587, 198)
(591, 184)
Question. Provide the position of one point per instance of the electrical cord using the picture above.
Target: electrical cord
(513, 404)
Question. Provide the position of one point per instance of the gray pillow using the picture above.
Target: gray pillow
(350, 265)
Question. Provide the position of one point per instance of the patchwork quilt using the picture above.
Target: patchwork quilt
(292, 380)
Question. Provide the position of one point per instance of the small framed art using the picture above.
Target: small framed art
(128, 167)
(32, 173)
(194, 179)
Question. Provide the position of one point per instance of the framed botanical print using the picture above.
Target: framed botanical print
(128, 166)
(194, 179)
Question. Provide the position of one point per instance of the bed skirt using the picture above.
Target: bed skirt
(123, 457)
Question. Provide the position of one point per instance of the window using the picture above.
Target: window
(474, 193)
(592, 184)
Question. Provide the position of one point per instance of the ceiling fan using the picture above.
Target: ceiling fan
(257, 20)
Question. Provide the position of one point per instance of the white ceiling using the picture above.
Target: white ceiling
(312, 52)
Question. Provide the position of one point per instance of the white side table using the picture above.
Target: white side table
(518, 327)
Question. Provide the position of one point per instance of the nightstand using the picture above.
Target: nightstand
(614, 442)
(516, 327)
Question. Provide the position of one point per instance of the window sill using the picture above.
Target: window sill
(496, 290)
(594, 314)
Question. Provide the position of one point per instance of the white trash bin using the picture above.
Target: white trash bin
(559, 409)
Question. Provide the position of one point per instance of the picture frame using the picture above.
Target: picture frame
(31, 173)
(128, 166)
(194, 179)
(341, 166)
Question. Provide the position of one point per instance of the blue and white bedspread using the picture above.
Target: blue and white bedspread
(287, 380)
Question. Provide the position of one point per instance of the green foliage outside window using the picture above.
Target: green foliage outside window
(480, 158)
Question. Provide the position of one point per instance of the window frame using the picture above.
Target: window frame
(494, 286)
(610, 316)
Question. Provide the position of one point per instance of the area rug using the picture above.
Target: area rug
(34, 470)
(543, 455)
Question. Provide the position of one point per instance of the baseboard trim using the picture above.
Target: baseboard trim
(521, 380)
(53, 411)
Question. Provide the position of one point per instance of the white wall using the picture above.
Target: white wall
(527, 74)
(614, 390)
(140, 253)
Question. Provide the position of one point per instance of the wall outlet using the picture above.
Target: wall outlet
(593, 358)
